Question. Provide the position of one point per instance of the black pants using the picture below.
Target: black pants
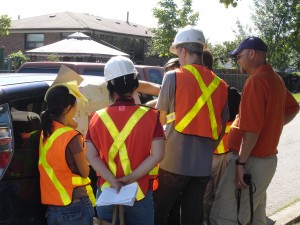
(192, 191)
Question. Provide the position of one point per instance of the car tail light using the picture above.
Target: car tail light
(4, 159)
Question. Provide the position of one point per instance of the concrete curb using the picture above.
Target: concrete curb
(287, 216)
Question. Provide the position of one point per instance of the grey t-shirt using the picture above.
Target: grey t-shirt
(184, 154)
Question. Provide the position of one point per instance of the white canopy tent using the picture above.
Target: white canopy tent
(76, 45)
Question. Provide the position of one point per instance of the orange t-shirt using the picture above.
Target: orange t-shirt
(264, 103)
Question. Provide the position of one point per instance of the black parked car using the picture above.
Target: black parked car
(21, 102)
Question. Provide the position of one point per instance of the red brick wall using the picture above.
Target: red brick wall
(12, 43)
(50, 38)
(15, 42)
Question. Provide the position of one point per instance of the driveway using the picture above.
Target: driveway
(284, 188)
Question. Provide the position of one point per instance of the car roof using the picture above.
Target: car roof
(62, 63)
(20, 78)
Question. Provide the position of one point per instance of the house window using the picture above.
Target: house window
(34, 41)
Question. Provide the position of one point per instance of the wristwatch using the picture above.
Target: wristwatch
(237, 162)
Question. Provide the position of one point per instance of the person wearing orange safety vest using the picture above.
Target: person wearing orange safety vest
(193, 105)
(125, 143)
(64, 183)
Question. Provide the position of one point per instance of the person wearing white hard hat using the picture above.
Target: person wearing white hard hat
(193, 105)
(125, 143)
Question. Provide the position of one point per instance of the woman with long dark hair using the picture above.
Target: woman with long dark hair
(65, 186)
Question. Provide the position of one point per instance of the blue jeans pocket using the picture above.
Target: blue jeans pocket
(72, 216)
(64, 215)
(79, 213)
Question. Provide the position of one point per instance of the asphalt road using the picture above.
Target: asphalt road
(285, 186)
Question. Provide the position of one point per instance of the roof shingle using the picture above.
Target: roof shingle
(78, 21)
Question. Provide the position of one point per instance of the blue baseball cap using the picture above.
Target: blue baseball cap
(250, 43)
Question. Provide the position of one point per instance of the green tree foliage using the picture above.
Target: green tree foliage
(170, 18)
(53, 58)
(220, 52)
(277, 22)
(227, 3)
(18, 58)
(5, 23)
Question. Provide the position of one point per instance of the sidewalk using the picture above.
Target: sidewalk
(287, 216)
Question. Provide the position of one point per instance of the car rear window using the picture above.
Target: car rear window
(155, 76)
(94, 72)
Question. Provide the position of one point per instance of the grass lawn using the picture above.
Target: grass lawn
(297, 97)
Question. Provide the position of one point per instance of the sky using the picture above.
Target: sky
(216, 22)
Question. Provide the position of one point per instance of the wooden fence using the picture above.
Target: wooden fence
(8, 65)
(235, 80)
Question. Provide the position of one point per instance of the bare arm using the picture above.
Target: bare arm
(148, 88)
(82, 164)
(151, 103)
(157, 154)
(248, 143)
(99, 166)
(163, 117)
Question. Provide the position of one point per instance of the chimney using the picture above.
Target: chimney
(127, 21)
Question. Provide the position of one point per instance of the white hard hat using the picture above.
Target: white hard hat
(187, 34)
(118, 66)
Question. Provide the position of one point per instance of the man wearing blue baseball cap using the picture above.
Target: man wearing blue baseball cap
(265, 107)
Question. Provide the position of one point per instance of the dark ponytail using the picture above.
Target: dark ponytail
(122, 85)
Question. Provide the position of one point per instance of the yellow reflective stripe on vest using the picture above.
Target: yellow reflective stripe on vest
(204, 98)
(227, 129)
(90, 192)
(43, 161)
(80, 181)
(118, 145)
(221, 147)
(171, 117)
(154, 171)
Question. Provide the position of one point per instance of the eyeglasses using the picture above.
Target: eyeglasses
(239, 55)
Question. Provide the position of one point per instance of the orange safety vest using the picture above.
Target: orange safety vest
(200, 99)
(56, 178)
(118, 147)
(222, 147)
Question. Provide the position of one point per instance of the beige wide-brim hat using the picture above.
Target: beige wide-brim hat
(70, 79)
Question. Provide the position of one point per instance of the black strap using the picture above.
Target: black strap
(238, 198)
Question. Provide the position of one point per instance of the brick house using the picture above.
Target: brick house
(29, 33)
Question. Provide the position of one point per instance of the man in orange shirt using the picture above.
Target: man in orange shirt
(266, 106)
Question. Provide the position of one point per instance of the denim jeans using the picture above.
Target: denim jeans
(141, 213)
(170, 187)
(78, 213)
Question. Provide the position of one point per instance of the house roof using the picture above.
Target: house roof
(70, 21)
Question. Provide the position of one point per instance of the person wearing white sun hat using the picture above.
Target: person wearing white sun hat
(64, 170)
